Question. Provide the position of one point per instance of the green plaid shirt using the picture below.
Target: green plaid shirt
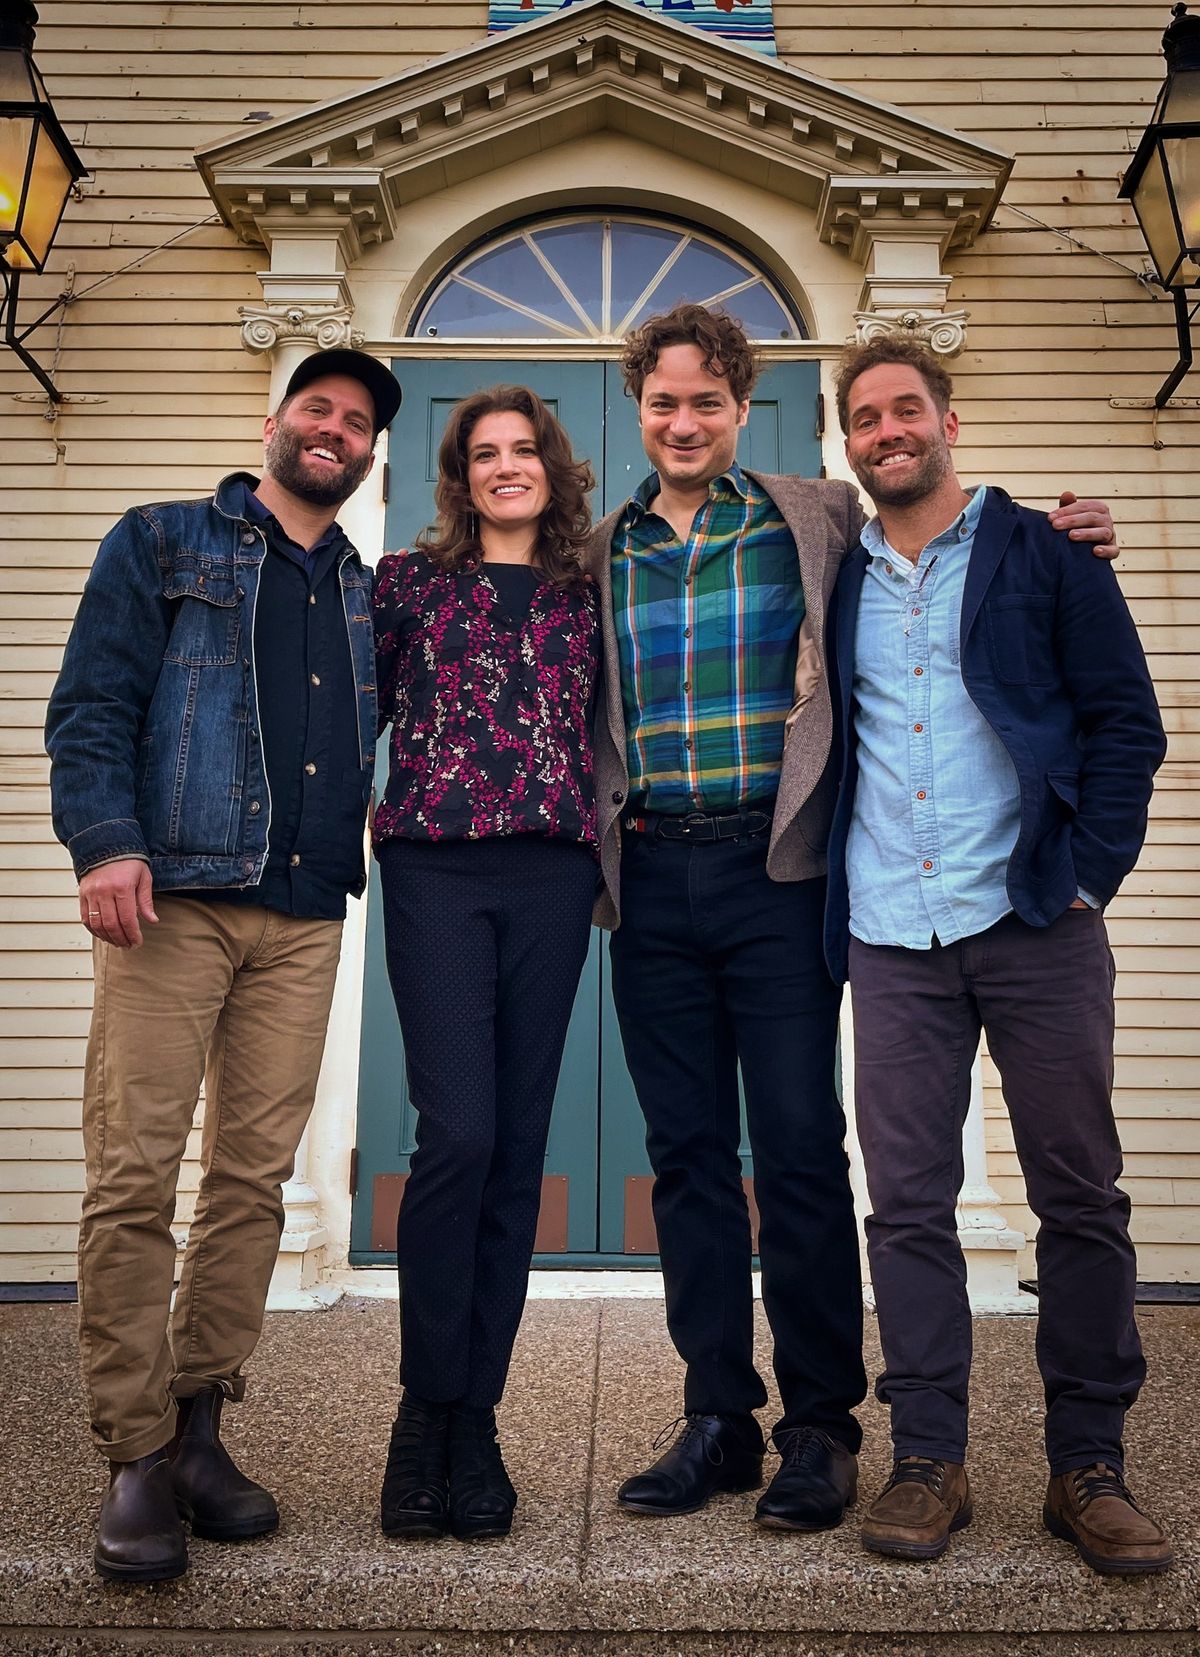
(707, 631)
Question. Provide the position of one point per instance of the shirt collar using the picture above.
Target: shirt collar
(733, 479)
(256, 513)
(962, 529)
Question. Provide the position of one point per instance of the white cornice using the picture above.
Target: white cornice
(600, 63)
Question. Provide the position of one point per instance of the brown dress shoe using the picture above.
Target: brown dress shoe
(1092, 1509)
(919, 1506)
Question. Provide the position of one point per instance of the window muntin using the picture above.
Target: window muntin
(594, 279)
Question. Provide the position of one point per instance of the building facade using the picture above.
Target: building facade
(273, 177)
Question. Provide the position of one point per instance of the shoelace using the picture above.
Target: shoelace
(692, 1427)
(796, 1445)
(917, 1470)
(1087, 1483)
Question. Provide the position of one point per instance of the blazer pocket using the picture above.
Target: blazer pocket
(1020, 632)
(1066, 785)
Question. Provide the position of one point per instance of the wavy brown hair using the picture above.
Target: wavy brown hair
(891, 348)
(727, 351)
(453, 542)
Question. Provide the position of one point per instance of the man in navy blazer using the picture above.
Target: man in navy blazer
(1000, 737)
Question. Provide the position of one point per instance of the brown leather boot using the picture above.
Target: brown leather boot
(919, 1506)
(218, 1500)
(1092, 1509)
(140, 1538)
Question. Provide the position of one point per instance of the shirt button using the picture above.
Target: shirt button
(687, 632)
(888, 569)
(918, 727)
(255, 808)
(917, 672)
(311, 769)
(920, 793)
(248, 539)
(294, 860)
(687, 742)
(925, 865)
(618, 797)
(687, 684)
(312, 598)
(315, 677)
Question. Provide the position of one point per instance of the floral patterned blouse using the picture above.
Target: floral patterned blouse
(490, 713)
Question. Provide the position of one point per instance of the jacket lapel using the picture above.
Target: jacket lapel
(600, 563)
(991, 539)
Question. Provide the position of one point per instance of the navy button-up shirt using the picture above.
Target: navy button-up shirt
(309, 727)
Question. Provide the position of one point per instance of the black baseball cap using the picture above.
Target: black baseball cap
(356, 365)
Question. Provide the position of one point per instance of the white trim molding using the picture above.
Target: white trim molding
(321, 188)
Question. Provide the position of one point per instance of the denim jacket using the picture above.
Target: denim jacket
(152, 727)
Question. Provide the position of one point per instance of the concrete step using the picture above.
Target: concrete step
(592, 1383)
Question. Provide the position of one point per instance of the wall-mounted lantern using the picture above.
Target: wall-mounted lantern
(1163, 181)
(38, 168)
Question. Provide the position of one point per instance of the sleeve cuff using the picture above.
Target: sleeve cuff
(106, 843)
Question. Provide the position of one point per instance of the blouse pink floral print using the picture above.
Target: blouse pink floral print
(491, 717)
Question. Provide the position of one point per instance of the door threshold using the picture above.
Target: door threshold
(379, 1283)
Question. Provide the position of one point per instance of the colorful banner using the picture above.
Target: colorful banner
(748, 22)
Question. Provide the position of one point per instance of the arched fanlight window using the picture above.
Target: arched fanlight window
(588, 278)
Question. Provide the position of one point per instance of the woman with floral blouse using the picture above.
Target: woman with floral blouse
(486, 663)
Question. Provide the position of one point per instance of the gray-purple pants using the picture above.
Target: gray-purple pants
(1044, 995)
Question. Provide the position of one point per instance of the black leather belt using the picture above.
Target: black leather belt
(747, 823)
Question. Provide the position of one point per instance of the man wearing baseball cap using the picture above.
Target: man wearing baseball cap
(212, 738)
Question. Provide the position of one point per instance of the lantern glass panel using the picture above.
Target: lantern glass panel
(20, 82)
(16, 136)
(49, 186)
(1182, 101)
(1183, 165)
(1152, 203)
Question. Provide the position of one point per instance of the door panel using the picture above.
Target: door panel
(386, 1118)
(596, 1187)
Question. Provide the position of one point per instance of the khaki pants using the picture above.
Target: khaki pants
(238, 996)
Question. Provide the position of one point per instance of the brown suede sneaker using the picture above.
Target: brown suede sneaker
(918, 1507)
(1092, 1509)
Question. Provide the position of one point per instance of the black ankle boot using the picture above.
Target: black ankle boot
(481, 1494)
(140, 1538)
(220, 1503)
(415, 1499)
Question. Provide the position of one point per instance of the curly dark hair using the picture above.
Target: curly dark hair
(891, 348)
(453, 542)
(727, 351)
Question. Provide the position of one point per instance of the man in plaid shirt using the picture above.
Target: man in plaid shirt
(715, 788)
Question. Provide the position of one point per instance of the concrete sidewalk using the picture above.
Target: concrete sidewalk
(592, 1384)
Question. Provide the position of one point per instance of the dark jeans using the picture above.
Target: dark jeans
(715, 964)
(485, 943)
(1044, 996)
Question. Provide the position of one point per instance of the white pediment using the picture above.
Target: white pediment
(864, 168)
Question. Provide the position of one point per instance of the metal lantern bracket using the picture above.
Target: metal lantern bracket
(15, 338)
(1183, 327)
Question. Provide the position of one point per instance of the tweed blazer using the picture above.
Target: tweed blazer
(824, 518)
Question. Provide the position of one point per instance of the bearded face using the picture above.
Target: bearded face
(322, 468)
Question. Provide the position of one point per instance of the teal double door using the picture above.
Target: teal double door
(596, 1186)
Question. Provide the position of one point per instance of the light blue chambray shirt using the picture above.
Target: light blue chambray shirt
(937, 807)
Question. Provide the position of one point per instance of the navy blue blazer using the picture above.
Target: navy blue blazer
(1052, 660)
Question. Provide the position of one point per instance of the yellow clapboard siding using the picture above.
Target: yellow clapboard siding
(1055, 332)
